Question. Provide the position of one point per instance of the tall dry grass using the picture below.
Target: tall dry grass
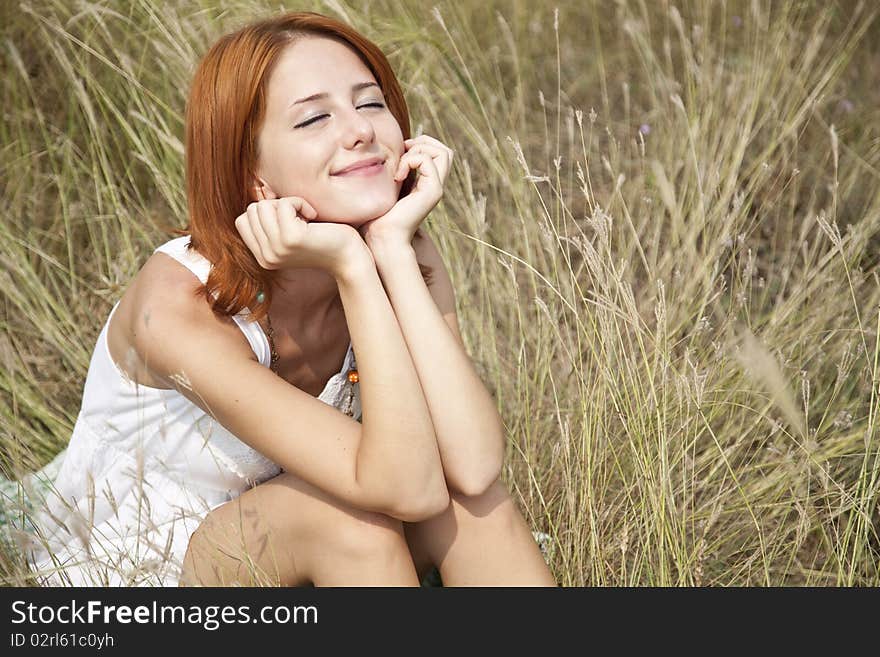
(662, 228)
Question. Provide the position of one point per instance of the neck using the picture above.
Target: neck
(305, 295)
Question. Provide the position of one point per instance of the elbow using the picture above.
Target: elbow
(476, 485)
(473, 482)
(418, 510)
(433, 507)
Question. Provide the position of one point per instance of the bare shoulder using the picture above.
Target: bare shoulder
(158, 304)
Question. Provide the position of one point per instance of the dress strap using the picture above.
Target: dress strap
(178, 249)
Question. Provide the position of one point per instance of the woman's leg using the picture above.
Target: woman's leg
(481, 540)
(287, 532)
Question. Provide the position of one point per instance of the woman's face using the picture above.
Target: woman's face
(302, 145)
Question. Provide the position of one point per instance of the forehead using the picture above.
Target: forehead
(314, 65)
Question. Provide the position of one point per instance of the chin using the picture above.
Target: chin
(357, 216)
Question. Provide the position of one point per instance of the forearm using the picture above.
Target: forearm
(398, 452)
(469, 430)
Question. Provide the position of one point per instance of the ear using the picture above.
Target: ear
(262, 191)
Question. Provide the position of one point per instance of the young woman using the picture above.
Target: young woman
(219, 440)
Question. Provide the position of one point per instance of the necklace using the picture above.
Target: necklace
(351, 376)
(270, 333)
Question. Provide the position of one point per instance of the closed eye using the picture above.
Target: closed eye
(315, 119)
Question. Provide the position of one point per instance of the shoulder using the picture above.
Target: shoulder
(168, 320)
(163, 285)
(162, 275)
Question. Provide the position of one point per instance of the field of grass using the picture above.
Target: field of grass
(662, 226)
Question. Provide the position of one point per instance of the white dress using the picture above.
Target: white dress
(143, 468)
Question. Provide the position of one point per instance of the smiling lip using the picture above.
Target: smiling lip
(363, 168)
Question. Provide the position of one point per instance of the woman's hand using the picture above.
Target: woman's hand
(282, 234)
(432, 159)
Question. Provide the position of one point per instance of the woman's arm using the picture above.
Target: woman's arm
(398, 433)
(470, 433)
(389, 464)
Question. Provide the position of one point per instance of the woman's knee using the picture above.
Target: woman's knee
(198, 566)
(216, 531)
(493, 510)
(234, 542)
(313, 529)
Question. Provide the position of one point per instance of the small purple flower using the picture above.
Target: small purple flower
(737, 21)
(645, 129)
(846, 106)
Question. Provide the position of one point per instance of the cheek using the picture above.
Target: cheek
(296, 169)
(389, 134)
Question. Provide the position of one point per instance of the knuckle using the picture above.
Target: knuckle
(291, 236)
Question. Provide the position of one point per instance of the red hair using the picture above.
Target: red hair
(225, 109)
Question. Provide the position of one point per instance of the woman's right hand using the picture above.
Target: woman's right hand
(282, 234)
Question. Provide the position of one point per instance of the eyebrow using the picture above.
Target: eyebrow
(356, 87)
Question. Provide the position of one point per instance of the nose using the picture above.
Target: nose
(357, 129)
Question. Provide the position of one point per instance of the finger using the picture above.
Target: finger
(407, 165)
(243, 225)
(414, 150)
(429, 177)
(268, 211)
(440, 154)
(403, 167)
(264, 249)
(430, 140)
(288, 223)
(428, 168)
(303, 207)
(437, 151)
(424, 139)
(439, 167)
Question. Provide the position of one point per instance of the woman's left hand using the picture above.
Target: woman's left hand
(431, 159)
